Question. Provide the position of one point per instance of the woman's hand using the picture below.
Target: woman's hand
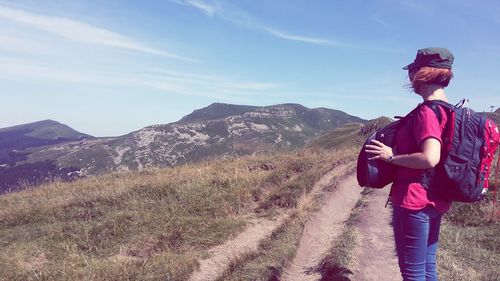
(380, 150)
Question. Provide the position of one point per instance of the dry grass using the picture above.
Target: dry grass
(469, 243)
(277, 251)
(156, 224)
(152, 225)
(272, 256)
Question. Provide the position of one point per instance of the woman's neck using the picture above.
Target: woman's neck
(433, 92)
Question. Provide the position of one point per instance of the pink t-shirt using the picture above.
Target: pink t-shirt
(407, 192)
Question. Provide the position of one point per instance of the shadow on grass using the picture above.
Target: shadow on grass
(331, 272)
(328, 273)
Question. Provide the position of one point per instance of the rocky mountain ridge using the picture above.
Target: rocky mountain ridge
(217, 130)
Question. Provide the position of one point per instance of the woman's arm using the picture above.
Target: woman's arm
(428, 157)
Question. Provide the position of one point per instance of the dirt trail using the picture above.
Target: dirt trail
(322, 229)
(376, 255)
(222, 255)
(248, 241)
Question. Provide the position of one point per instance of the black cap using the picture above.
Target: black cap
(435, 57)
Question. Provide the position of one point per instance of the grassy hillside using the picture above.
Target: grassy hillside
(151, 225)
(343, 136)
(469, 242)
(350, 135)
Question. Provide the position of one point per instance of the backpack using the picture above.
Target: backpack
(470, 140)
(378, 173)
(469, 143)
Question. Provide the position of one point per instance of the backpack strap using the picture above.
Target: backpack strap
(431, 104)
(434, 105)
(461, 103)
(427, 176)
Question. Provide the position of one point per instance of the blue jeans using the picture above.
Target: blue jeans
(416, 234)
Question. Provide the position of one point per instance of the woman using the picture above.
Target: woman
(417, 216)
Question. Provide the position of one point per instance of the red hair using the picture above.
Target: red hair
(427, 75)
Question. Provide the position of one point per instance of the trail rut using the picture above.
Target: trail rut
(376, 254)
(322, 229)
(222, 255)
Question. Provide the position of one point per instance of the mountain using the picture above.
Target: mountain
(18, 143)
(233, 130)
(213, 131)
(46, 129)
(15, 140)
(216, 130)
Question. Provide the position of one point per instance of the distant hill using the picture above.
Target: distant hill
(349, 135)
(15, 140)
(17, 143)
(46, 129)
(217, 130)
(342, 136)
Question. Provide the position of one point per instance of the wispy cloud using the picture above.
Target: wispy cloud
(206, 8)
(11, 68)
(305, 39)
(237, 16)
(82, 32)
(189, 84)
(171, 82)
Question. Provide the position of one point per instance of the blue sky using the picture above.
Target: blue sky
(110, 67)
